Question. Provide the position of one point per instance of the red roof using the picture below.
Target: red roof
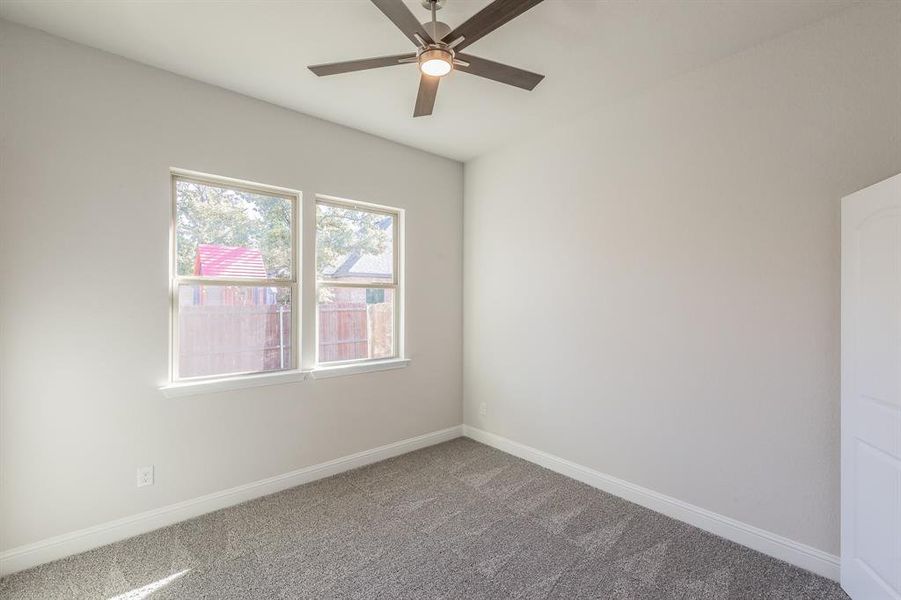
(213, 260)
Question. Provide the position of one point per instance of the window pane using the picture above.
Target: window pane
(229, 233)
(354, 245)
(355, 323)
(226, 329)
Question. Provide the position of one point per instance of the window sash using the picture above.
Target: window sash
(247, 281)
(227, 184)
(395, 326)
(353, 284)
(296, 342)
(395, 243)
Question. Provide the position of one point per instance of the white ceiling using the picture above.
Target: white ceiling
(592, 52)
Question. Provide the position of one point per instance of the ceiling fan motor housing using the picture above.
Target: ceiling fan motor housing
(440, 30)
(436, 52)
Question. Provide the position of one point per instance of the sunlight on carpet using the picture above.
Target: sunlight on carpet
(144, 592)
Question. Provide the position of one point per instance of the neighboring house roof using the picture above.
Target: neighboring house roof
(375, 266)
(213, 260)
(368, 265)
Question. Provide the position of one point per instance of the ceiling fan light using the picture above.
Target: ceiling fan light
(436, 63)
(435, 67)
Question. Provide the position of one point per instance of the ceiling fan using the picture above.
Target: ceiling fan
(438, 48)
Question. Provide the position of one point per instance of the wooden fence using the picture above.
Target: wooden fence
(354, 330)
(216, 340)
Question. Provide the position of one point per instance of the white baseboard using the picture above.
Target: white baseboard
(31, 555)
(796, 553)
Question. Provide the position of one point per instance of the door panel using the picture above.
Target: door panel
(878, 492)
(871, 392)
(878, 310)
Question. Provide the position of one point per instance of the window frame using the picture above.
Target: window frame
(396, 283)
(176, 280)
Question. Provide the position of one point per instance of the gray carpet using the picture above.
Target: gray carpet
(458, 520)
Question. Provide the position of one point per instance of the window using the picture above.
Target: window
(234, 279)
(356, 282)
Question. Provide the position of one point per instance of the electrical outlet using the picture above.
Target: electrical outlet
(145, 476)
(483, 409)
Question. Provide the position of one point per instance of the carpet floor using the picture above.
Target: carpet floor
(457, 520)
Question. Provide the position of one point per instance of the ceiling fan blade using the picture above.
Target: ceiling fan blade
(487, 20)
(360, 65)
(499, 72)
(425, 99)
(401, 16)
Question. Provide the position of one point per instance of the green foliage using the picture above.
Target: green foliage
(212, 215)
(345, 231)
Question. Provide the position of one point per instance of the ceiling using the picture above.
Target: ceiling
(592, 52)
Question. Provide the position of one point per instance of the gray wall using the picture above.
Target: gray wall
(88, 140)
(653, 290)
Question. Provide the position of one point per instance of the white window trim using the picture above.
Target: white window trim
(353, 368)
(240, 382)
(233, 382)
(296, 199)
(176, 388)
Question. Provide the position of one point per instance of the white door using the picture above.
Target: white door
(871, 392)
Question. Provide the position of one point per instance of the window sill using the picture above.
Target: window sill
(361, 367)
(208, 386)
